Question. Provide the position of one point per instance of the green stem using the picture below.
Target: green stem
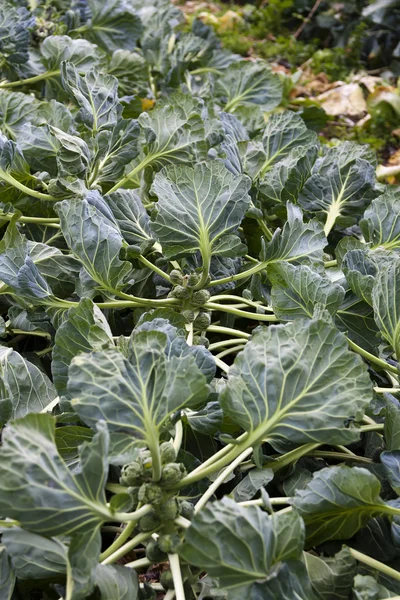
(224, 344)
(221, 478)
(220, 363)
(121, 539)
(260, 501)
(138, 539)
(176, 576)
(242, 275)
(240, 313)
(330, 263)
(265, 229)
(37, 333)
(228, 331)
(372, 358)
(205, 70)
(231, 297)
(133, 516)
(376, 427)
(388, 390)
(375, 564)
(23, 188)
(49, 222)
(341, 456)
(30, 80)
(177, 442)
(230, 350)
(154, 268)
(139, 563)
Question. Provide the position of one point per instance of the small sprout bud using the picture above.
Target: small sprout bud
(169, 543)
(154, 552)
(167, 580)
(150, 493)
(180, 292)
(131, 474)
(176, 277)
(172, 473)
(149, 522)
(167, 452)
(169, 510)
(200, 340)
(200, 297)
(202, 321)
(193, 279)
(186, 509)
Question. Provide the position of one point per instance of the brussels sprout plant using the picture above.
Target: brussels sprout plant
(200, 330)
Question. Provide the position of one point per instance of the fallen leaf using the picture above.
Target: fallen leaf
(346, 99)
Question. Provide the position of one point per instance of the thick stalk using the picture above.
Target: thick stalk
(228, 331)
(240, 313)
(150, 265)
(123, 517)
(375, 564)
(374, 359)
(242, 275)
(49, 222)
(220, 363)
(29, 80)
(231, 297)
(176, 576)
(177, 441)
(23, 188)
(225, 343)
(260, 501)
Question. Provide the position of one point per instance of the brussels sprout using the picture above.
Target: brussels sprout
(169, 543)
(169, 510)
(200, 297)
(167, 452)
(186, 509)
(150, 493)
(200, 340)
(180, 292)
(154, 552)
(172, 473)
(131, 474)
(167, 580)
(149, 522)
(193, 279)
(176, 277)
(202, 321)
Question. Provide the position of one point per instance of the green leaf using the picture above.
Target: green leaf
(34, 556)
(7, 575)
(337, 502)
(131, 70)
(386, 303)
(132, 218)
(296, 290)
(252, 483)
(297, 383)
(199, 209)
(14, 170)
(136, 395)
(68, 439)
(247, 83)
(360, 271)
(15, 24)
(381, 222)
(392, 426)
(73, 155)
(297, 240)
(16, 110)
(391, 463)
(342, 183)
(245, 549)
(38, 488)
(331, 578)
(96, 94)
(83, 558)
(94, 239)
(25, 388)
(117, 582)
(356, 319)
(112, 25)
(84, 329)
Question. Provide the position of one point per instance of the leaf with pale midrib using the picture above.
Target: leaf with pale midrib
(297, 383)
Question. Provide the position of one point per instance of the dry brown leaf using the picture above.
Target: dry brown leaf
(346, 99)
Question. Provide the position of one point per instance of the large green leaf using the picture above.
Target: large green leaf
(386, 303)
(112, 25)
(34, 556)
(96, 94)
(117, 582)
(200, 208)
(247, 550)
(337, 502)
(248, 83)
(15, 24)
(136, 395)
(342, 183)
(132, 218)
(14, 170)
(94, 238)
(331, 578)
(381, 221)
(296, 384)
(296, 240)
(25, 388)
(40, 491)
(7, 575)
(84, 329)
(297, 289)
